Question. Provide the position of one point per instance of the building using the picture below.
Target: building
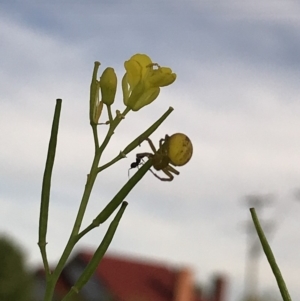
(120, 278)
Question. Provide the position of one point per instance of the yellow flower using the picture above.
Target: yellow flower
(142, 81)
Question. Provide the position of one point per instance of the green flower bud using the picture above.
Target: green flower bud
(108, 86)
(94, 94)
(98, 111)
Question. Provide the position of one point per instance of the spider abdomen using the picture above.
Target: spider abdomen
(180, 149)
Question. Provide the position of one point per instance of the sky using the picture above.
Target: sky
(236, 97)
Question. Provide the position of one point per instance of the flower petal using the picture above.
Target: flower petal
(134, 72)
(146, 98)
(162, 77)
(143, 59)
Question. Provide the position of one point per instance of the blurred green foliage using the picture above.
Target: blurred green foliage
(15, 280)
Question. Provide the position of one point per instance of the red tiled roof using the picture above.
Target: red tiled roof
(133, 280)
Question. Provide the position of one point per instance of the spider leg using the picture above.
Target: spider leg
(172, 169)
(151, 145)
(167, 171)
(140, 156)
(161, 142)
(169, 178)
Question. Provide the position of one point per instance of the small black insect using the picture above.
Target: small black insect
(138, 161)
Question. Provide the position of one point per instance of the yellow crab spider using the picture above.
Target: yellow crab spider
(173, 150)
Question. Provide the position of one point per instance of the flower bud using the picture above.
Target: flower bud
(94, 94)
(98, 111)
(108, 86)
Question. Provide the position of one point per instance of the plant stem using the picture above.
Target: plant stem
(51, 280)
(98, 255)
(46, 186)
(269, 254)
(118, 199)
(95, 135)
(136, 142)
(83, 204)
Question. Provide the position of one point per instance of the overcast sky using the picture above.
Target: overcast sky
(236, 96)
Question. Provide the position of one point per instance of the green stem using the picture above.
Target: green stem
(269, 254)
(101, 218)
(46, 186)
(118, 199)
(136, 142)
(95, 135)
(83, 204)
(93, 175)
(98, 255)
(110, 118)
(72, 239)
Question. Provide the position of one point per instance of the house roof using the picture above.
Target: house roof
(131, 279)
(136, 280)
